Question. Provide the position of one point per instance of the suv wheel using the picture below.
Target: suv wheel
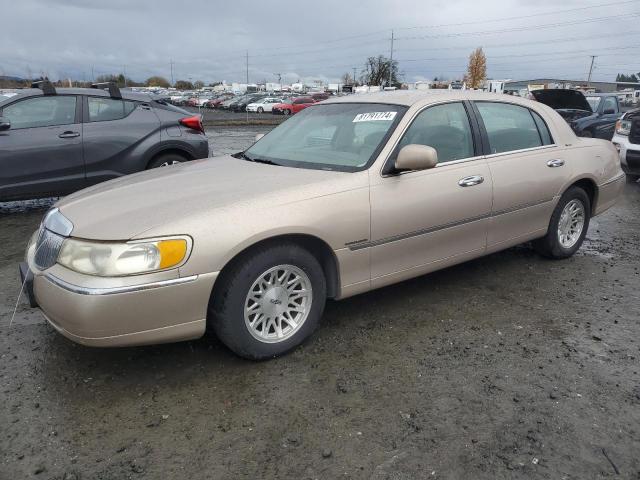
(269, 302)
(166, 159)
(568, 225)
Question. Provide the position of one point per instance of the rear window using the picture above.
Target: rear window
(103, 109)
(509, 127)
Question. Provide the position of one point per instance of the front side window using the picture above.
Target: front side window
(102, 109)
(509, 127)
(444, 127)
(335, 136)
(610, 104)
(594, 102)
(41, 112)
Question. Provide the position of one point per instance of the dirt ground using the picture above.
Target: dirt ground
(510, 366)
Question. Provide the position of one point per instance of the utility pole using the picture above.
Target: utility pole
(247, 59)
(279, 80)
(93, 77)
(124, 74)
(354, 76)
(593, 58)
(171, 65)
(391, 60)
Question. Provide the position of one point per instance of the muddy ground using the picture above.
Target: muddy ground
(510, 366)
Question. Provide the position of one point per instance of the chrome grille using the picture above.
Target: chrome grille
(47, 248)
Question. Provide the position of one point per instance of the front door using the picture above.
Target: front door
(421, 219)
(41, 154)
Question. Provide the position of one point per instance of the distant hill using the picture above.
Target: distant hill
(9, 78)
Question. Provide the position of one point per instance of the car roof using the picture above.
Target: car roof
(95, 92)
(411, 97)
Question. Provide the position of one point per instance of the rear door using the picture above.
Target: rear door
(528, 170)
(41, 154)
(117, 134)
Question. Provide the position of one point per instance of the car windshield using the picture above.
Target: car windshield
(337, 136)
(594, 102)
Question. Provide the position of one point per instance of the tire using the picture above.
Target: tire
(551, 245)
(165, 160)
(260, 110)
(286, 111)
(240, 326)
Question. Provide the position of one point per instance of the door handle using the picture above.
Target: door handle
(555, 163)
(470, 181)
(69, 134)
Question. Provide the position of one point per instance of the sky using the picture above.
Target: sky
(209, 40)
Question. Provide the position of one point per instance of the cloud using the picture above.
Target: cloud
(209, 40)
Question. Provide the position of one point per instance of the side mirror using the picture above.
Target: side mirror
(259, 136)
(5, 124)
(608, 111)
(416, 157)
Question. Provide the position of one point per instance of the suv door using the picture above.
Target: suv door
(528, 171)
(117, 136)
(420, 219)
(608, 115)
(41, 154)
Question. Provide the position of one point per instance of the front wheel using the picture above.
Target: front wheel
(269, 302)
(568, 225)
(286, 111)
(260, 110)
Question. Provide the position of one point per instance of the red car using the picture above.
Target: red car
(294, 106)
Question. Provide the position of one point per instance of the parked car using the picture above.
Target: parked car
(294, 105)
(627, 141)
(56, 141)
(240, 105)
(592, 116)
(347, 196)
(263, 105)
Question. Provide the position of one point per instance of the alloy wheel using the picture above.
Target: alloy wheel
(571, 223)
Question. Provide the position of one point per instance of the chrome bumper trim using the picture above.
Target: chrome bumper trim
(115, 290)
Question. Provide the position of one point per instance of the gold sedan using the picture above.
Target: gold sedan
(349, 195)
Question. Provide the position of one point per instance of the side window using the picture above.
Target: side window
(41, 112)
(509, 127)
(102, 109)
(443, 127)
(610, 104)
(542, 128)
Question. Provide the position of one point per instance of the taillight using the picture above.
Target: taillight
(195, 123)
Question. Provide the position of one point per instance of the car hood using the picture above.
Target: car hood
(127, 207)
(571, 115)
(562, 99)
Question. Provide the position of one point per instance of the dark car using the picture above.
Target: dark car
(241, 104)
(53, 142)
(594, 115)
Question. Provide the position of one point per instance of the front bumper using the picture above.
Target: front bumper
(115, 312)
(629, 154)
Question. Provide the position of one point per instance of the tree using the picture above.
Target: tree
(157, 82)
(198, 84)
(183, 85)
(376, 71)
(621, 77)
(477, 69)
(346, 79)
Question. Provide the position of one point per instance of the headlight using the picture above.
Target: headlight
(113, 259)
(623, 127)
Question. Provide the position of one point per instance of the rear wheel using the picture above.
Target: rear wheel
(568, 225)
(269, 302)
(166, 159)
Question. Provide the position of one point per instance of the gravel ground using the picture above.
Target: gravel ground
(510, 366)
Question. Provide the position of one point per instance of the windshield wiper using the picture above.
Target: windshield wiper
(254, 159)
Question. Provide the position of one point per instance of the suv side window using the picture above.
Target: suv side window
(610, 104)
(41, 112)
(102, 109)
(444, 127)
(509, 127)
